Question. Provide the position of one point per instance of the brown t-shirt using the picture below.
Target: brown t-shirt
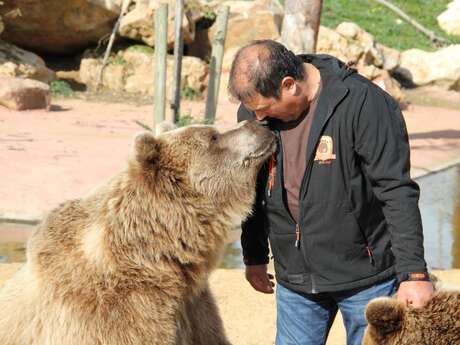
(294, 139)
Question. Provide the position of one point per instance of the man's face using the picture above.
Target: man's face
(288, 107)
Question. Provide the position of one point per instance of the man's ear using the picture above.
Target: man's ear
(289, 85)
(385, 315)
(146, 148)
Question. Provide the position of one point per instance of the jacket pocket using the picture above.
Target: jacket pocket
(289, 260)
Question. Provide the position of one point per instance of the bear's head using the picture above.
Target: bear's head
(392, 323)
(385, 320)
(201, 160)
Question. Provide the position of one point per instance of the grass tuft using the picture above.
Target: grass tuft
(61, 88)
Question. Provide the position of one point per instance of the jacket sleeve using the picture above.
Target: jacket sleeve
(254, 239)
(382, 143)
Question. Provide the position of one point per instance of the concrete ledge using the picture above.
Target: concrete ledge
(19, 218)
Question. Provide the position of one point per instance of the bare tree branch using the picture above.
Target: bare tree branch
(124, 8)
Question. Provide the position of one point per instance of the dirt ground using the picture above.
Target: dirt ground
(50, 156)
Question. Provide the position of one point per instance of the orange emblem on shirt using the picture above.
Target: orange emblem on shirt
(324, 152)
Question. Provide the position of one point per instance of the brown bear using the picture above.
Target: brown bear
(392, 323)
(128, 264)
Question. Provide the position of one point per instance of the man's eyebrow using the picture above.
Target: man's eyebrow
(261, 107)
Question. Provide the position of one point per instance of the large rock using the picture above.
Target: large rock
(111, 5)
(390, 85)
(440, 68)
(449, 20)
(249, 21)
(24, 94)
(132, 71)
(137, 24)
(56, 26)
(16, 62)
(351, 43)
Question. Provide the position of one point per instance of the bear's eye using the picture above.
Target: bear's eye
(213, 138)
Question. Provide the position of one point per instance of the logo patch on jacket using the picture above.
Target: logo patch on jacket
(325, 151)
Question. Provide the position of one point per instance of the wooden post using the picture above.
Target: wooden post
(215, 65)
(161, 38)
(178, 52)
(299, 31)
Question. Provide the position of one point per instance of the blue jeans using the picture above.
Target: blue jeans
(305, 319)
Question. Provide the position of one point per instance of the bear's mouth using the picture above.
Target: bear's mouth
(261, 154)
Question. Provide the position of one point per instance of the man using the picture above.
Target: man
(336, 201)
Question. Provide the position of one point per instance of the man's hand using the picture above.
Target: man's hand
(415, 293)
(259, 278)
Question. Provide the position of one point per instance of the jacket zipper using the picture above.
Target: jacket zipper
(297, 236)
(271, 179)
(370, 254)
(368, 247)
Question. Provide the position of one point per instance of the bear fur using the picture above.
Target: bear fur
(392, 323)
(128, 264)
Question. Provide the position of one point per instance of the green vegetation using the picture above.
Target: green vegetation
(141, 48)
(209, 15)
(186, 120)
(116, 60)
(61, 88)
(386, 26)
(190, 93)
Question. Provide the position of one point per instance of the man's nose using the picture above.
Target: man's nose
(260, 115)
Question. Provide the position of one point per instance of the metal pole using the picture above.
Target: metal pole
(161, 37)
(215, 65)
(178, 52)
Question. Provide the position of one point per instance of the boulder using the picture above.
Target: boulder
(111, 5)
(249, 21)
(391, 57)
(24, 94)
(132, 71)
(137, 24)
(56, 26)
(16, 62)
(449, 20)
(350, 43)
(390, 85)
(332, 43)
(441, 68)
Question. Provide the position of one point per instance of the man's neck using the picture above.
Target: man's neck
(312, 82)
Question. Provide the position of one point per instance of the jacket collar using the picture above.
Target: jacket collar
(332, 93)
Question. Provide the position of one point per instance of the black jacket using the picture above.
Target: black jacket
(359, 219)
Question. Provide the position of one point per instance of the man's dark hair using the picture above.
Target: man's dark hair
(259, 68)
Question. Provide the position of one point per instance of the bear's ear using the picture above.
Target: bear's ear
(385, 315)
(146, 148)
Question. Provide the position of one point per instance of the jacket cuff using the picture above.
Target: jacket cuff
(256, 261)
